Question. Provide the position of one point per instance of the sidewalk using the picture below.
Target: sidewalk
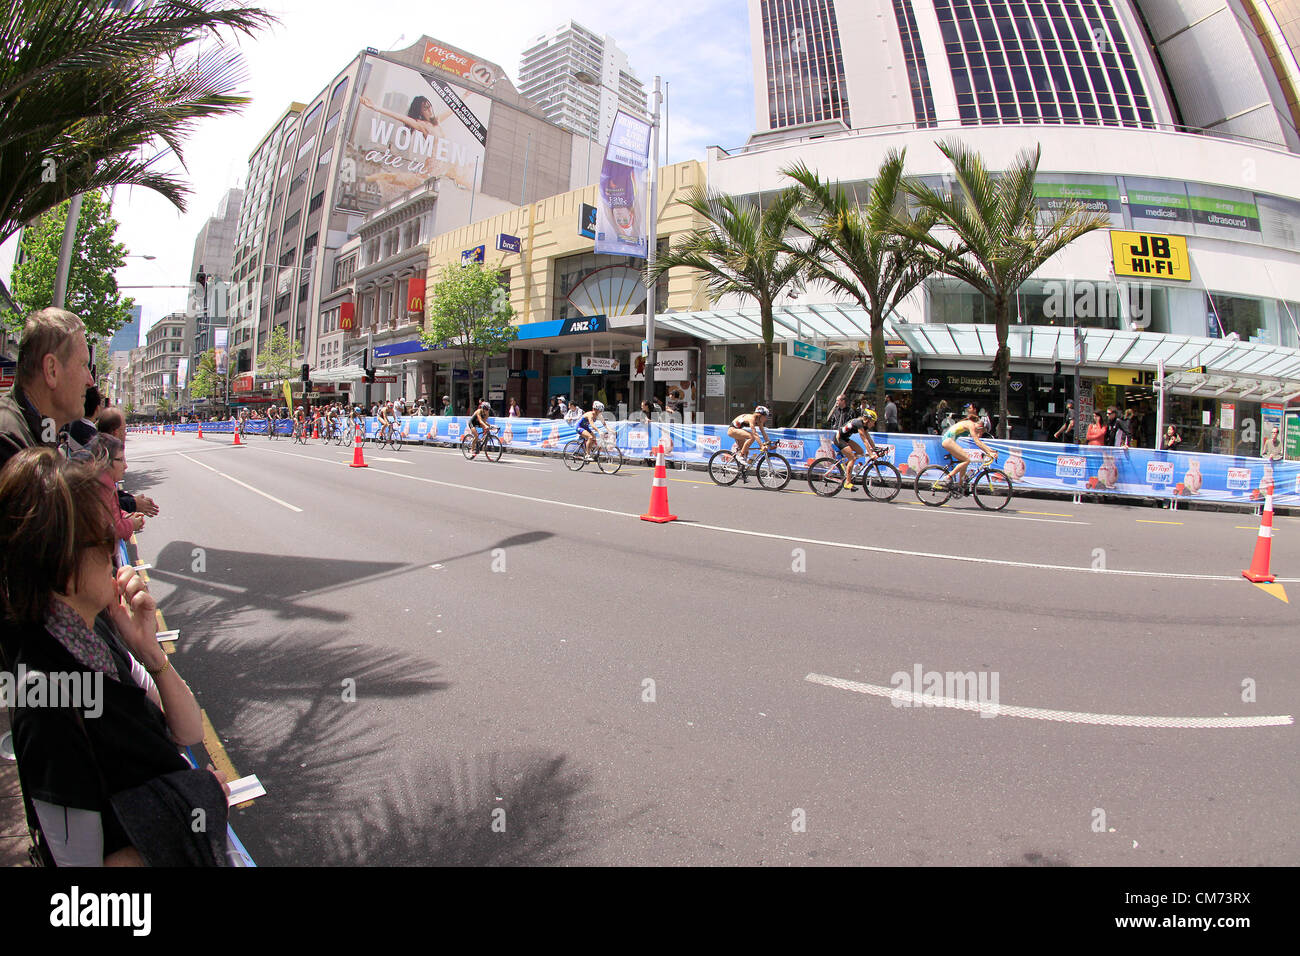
(13, 821)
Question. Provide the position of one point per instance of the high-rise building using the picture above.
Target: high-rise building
(431, 118)
(214, 255)
(549, 74)
(128, 336)
(804, 53)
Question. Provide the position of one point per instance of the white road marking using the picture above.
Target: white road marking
(284, 504)
(1039, 713)
(846, 545)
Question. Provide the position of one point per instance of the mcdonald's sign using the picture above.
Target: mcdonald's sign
(346, 313)
(415, 294)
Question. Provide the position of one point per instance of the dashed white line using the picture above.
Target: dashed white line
(913, 698)
(256, 491)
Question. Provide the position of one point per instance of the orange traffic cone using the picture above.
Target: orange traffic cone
(1258, 572)
(315, 432)
(357, 460)
(200, 430)
(173, 431)
(235, 429)
(659, 491)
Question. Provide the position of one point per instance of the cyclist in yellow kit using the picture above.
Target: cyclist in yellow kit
(972, 428)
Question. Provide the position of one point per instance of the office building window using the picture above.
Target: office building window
(804, 66)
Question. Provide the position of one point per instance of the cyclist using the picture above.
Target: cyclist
(358, 422)
(270, 422)
(844, 441)
(970, 426)
(745, 428)
(243, 420)
(300, 422)
(586, 426)
(479, 420)
(385, 417)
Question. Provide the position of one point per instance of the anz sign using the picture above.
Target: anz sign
(586, 323)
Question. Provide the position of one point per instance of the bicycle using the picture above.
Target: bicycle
(607, 456)
(471, 444)
(300, 432)
(990, 487)
(771, 469)
(880, 479)
(271, 429)
(387, 436)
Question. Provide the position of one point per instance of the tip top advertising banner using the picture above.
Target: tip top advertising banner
(620, 225)
(411, 128)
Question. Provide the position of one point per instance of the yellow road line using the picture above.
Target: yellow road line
(1145, 521)
(1048, 514)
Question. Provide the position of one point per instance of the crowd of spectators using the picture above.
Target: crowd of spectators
(104, 781)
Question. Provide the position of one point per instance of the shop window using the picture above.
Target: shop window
(1226, 314)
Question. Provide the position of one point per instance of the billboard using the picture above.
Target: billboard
(220, 347)
(457, 64)
(410, 128)
(620, 226)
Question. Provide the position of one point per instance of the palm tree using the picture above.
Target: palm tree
(86, 93)
(740, 250)
(853, 250)
(992, 235)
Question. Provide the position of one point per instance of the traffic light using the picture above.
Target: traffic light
(306, 372)
(370, 376)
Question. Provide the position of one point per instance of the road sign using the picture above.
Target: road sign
(804, 350)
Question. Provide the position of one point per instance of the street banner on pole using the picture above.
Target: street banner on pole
(621, 229)
(182, 372)
(219, 339)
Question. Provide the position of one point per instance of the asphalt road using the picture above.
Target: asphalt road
(529, 657)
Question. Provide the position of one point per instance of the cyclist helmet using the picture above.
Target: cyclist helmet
(762, 410)
(598, 406)
(484, 404)
(869, 414)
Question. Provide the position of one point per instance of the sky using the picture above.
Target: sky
(700, 48)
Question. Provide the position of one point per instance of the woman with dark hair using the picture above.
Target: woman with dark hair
(111, 789)
(421, 119)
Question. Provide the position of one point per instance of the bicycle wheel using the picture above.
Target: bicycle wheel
(466, 444)
(492, 448)
(881, 480)
(773, 471)
(575, 455)
(723, 468)
(926, 478)
(992, 489)
(609, 460)
(826, 477)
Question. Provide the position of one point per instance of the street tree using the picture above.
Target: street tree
(740, 250)
(207, 383)
(853, 251)
(92, 98)
(279, 356)
(991, 234)
(470, 310)
(92, 284)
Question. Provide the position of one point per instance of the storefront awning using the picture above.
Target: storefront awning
(344, 373)
(1232, 369)
(828, 322)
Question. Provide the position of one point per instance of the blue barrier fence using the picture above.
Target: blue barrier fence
(1098, 470)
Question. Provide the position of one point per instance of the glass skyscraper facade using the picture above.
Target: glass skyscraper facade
(1041, 61)
(803, 61)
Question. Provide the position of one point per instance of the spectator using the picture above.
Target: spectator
(423, 409)
(554, 410)
(514, 409)
(84, 430)
(564, 407)
(839, 415)
(1172, 439)
(937, 420)
(573, 414)
(1097, 430)
(109, 456)
(891, 414)
(51, 379)
(1115, 432)
(69, 614)
(1133, 425)
(1272, 448)
(1066, 432)
(446, 406)
(986, 421)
